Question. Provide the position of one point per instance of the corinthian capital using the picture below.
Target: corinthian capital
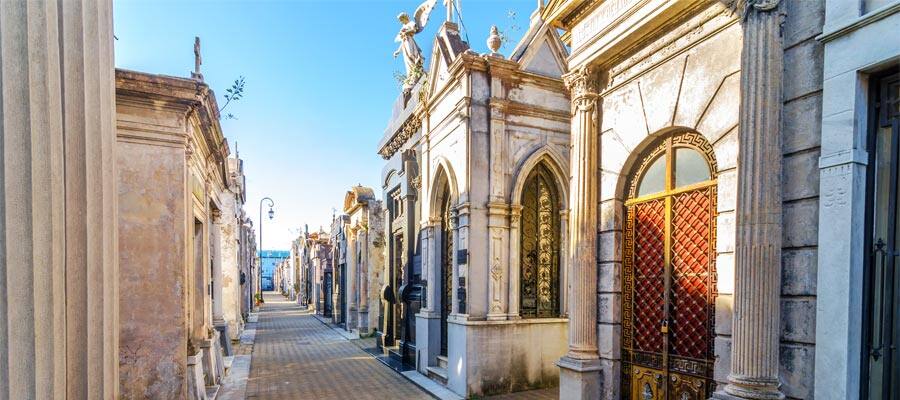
(745, 7)
(582, 83)
(764, 5)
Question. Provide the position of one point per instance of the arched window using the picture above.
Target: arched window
(669, 275)
(539, 246)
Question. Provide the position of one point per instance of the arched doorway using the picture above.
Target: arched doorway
(446, 274)
(669, 279)
(539, 246)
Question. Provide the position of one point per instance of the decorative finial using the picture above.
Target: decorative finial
(197, 60)
(494, 41)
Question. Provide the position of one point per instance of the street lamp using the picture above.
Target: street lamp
(271, 215)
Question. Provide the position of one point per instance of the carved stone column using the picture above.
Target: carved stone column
(515, 224)
(363, 262)
(579, 368)
(352, 279)
(755, 344)
(58, 261)
(215, 255)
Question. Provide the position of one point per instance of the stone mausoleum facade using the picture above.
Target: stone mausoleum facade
(659, 164)
(481, 149)
(180, 218)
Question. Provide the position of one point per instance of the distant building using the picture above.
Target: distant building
(268, 259)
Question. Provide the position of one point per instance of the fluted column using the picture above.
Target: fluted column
(58, 263)
(755, 343)
(363, 243)
(579, 367)
(215, 237)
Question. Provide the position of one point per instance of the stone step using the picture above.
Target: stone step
(394, 351)
(227, 361)
(438, 374)
(212, 392)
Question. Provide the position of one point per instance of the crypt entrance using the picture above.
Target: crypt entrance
(539, 246)
(669, 280)
(446, 272)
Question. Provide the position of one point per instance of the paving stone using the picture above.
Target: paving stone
(297, 357)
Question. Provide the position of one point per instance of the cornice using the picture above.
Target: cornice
(406, 131)
(191, 97)
(510, 107)
(833, 32)
(564, 14)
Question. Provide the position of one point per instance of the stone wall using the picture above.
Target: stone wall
(801, 130)
(375, 257)
(231, 269)
(855, 53)
(686, 79)
(152, 276)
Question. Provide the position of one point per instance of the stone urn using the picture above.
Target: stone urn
(494, 41)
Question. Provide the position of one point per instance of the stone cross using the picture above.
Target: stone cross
(197, 59)
(450, 4)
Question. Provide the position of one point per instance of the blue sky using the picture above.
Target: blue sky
(319, 85)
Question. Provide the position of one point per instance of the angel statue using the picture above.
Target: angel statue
(412, 54)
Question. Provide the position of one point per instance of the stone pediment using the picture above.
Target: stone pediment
(357, 196)
(447, 48)
(541, 51)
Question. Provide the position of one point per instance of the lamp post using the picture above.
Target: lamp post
(271, 215)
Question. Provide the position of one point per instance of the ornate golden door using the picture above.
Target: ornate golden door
(539, 246)
(669, 285)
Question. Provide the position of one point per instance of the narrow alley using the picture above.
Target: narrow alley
(295, 356)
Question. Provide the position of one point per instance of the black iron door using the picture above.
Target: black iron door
(881, 282)
(446, 269)
(342, 294)
(326, 293)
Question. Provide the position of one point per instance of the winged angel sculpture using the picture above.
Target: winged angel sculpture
(412, 54)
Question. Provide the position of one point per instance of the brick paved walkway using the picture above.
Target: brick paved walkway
(297, 357)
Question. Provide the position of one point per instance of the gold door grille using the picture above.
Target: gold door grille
(539, 246)
(669, 279)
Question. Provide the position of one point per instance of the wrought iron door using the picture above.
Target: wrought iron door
(669, 286)
(881, 328)
(446, 268)
(539, 246)
(327, 294)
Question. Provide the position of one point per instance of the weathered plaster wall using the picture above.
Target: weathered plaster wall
(502, 357)
(231, 274)
(375, 257)
(153, 333)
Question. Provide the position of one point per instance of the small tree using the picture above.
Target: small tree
(234, 93)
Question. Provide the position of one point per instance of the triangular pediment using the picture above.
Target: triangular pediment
(541, 51)
(448, 46)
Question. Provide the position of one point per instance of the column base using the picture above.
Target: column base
(743, 389)
(224, 336)
(579, 379)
